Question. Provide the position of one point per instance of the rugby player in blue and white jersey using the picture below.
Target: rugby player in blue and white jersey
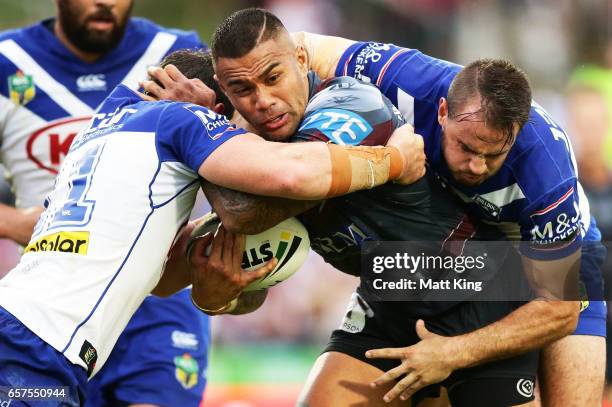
(523, 179)
(255, 80)
(53, 75)
(126, 187)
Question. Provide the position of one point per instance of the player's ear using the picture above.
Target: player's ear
(219, 108)
(216, 78)
(442, 112)
(302, 57)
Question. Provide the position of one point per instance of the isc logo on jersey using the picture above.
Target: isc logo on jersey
(258, 251)
(342, 127)
(48, 146)
(65, 242)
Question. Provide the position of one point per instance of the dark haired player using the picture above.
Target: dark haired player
(522, 179)
(264, 76)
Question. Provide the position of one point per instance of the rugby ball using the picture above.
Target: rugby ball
(288, 242)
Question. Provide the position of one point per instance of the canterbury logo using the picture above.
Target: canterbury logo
(525, 387)
(65, 242)
(91, 82)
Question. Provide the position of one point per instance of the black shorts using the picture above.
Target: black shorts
(386, 325)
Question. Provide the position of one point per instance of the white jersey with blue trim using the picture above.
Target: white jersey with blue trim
(47, 94)
(125, 188)
(534, 197)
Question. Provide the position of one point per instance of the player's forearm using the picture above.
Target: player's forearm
(529, 327)
(176, 274)
(18, 224)
(249, 302)
(7, 218)
(172, 282)
(250, 214)
(247, 163)
(302, 171)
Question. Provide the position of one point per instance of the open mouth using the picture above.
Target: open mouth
(276, 122)
(101, 22)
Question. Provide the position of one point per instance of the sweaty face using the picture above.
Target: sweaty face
(94, 26)
(473, 152)
(268, 86)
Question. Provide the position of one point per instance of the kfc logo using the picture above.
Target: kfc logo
(48, 146)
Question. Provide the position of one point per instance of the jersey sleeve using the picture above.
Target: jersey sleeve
(369, 62)
(413, 82)
(551, 227)
(348, 112)
(383, 65)
(190, 133)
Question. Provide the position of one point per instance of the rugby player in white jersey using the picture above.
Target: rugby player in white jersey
(125, 189)
(53, 75)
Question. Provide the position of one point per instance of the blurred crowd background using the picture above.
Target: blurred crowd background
(565, 46)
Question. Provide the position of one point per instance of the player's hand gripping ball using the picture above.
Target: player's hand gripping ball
(288, 242)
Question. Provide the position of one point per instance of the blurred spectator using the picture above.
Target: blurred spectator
(598, 78)
(6, 196)
(533, 34)
(9, 251)
(590, 125)
(319, 16)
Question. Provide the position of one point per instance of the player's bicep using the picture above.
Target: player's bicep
(551, 242)
(324, 51)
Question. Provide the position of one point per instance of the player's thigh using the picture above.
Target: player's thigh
(440, 401)
(572, 371)
(337, 379)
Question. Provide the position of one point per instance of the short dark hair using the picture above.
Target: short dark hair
(504, 91)
(198, 64)
(238, 34)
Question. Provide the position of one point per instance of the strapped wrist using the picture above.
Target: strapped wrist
(361, 167)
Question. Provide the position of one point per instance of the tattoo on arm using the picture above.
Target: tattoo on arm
(250, 214)
(249, 302)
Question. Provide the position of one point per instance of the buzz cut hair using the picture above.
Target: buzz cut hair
(242, 31)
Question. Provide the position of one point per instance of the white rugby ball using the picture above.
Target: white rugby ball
(288, 242)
